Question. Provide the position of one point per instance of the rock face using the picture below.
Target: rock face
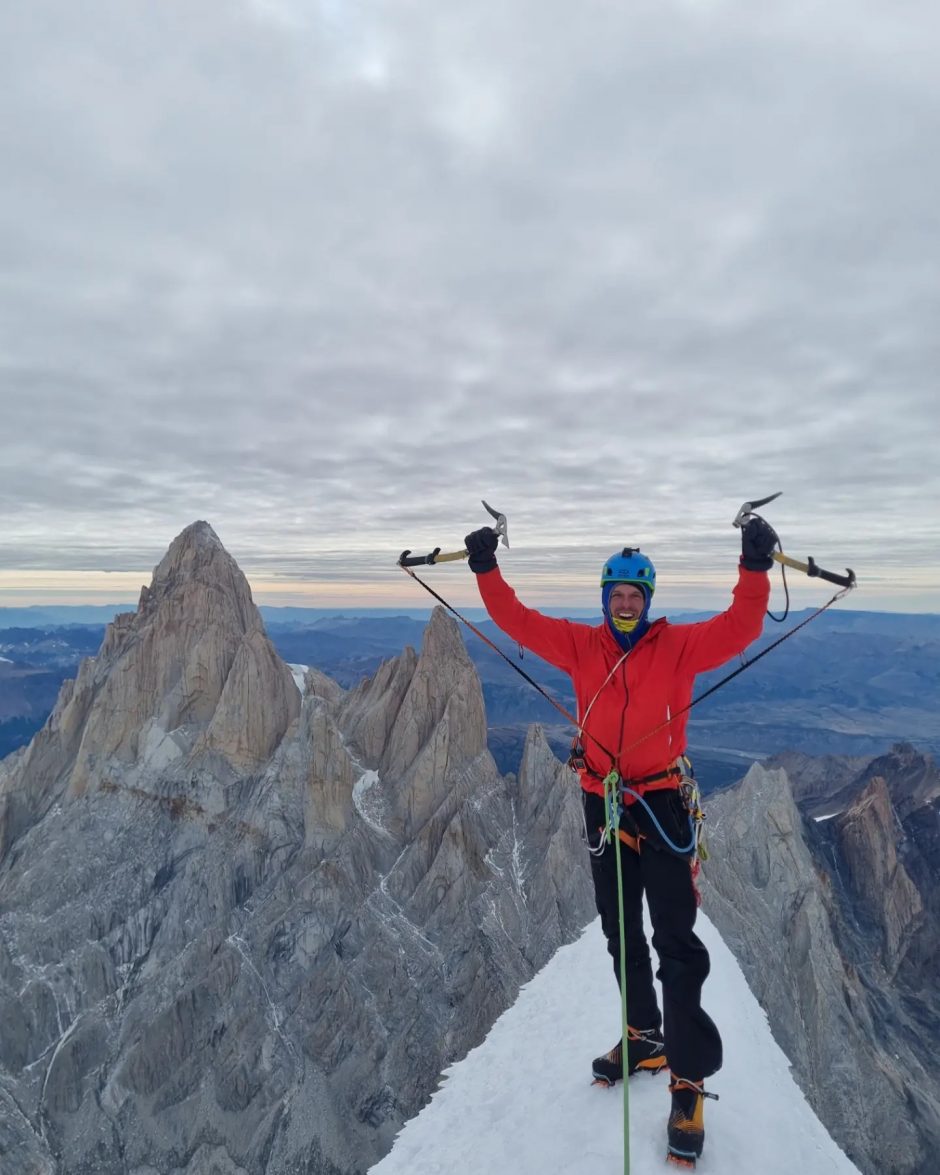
(188, 680)
(825, 784)
(838, 941)
(868, 838)
(912, 778)
(817, 780)
(242, 930)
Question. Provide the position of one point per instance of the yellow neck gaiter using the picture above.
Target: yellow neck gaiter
(626, 626)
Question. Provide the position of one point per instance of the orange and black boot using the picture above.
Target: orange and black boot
(644, 1054)
(686, 1127)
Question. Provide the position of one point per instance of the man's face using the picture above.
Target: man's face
(626, 602)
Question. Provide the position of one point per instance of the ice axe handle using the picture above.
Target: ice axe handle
(812, 568)
(847, 580)
(406, 559)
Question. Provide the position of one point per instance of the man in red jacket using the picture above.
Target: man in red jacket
(630, 678)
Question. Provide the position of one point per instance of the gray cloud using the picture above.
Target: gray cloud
(327, 273)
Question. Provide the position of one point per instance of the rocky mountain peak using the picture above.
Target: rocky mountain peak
(762, 800)
(199, 569)
(912, 777)
(440, 727)
(420, 723)
(186, 667)
(196, 541)
(177, 682)
(442, 638)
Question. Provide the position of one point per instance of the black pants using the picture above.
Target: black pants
(693, 1044)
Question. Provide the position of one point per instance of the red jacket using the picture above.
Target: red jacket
(651, 684)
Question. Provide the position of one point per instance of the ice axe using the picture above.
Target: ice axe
(406, 559)
(810, 567)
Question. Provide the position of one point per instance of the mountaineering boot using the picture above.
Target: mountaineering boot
(608, 1069)
(686, 1127)
(644, 1052)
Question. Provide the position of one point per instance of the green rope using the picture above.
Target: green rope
(613, 819)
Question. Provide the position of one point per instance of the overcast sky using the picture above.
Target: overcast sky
(325, 274)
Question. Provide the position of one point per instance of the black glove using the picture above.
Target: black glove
(481, 547)
(758, 542)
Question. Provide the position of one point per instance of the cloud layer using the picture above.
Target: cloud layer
(328, 273)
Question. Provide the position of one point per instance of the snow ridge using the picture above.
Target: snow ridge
(486, 1117)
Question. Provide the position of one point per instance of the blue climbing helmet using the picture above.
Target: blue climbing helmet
(628, 566)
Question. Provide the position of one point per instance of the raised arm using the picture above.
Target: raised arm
(711, 643)
(548, 637)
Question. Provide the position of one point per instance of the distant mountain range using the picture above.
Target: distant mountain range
(53, 615)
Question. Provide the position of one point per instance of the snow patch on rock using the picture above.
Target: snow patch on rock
(368, 801)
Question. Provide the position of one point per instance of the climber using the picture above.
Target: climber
(630, 674)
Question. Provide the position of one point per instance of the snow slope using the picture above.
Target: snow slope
(523, 1103)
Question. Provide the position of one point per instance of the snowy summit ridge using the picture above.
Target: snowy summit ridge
(523, 1101)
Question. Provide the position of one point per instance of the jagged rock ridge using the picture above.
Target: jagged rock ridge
(836, 925)
(244, 931)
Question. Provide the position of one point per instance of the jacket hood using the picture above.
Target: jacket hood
(627, 640)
